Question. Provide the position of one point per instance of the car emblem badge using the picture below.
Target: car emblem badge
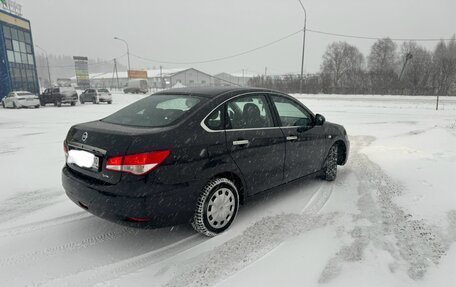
(85, 136)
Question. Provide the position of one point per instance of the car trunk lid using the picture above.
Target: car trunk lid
(103, 140)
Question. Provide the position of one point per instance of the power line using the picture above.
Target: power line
(376, 38)
(89, 64)
(221, 58)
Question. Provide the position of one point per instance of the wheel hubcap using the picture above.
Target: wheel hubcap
(220, 208)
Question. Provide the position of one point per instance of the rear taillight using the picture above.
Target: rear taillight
(138, 164)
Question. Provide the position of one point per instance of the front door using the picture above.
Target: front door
(255, 144)
(303, 150)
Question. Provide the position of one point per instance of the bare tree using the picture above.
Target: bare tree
(341, 63)
(382, 65)
(444, 64)
(417, 75)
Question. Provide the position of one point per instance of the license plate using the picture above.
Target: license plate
(83, 159)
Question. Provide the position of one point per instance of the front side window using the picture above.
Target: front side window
(290, 113)
(155, 111)
(249, 112)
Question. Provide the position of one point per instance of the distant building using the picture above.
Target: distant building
(17, 55)
(157, 78)
(230, 79)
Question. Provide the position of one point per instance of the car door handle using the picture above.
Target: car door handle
(292, 138)
(241, 142)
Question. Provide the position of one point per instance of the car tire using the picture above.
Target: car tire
(37, 106)
(73, 103)
(109, 102)
(216, 208)
(3, 104)
(42, 103)
(58, 104)
(81, 101)
(95, 101)
(14, 105)
(330, 165)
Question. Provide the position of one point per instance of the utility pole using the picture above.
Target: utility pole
(115, 74)
(408, 57)
(47, 61)
(243, 80)
(128, 53)
(303, 47)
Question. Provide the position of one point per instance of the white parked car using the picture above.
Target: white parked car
(21, 99)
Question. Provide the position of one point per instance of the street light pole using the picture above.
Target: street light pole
(47, 61)
(128, 52)
(303, 47)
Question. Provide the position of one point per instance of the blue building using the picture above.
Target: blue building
(17, 55)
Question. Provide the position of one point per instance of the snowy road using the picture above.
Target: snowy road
(388, 220)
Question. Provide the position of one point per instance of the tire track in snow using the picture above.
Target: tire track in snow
(255, 243)
(39, 225)
(28, 202)
(412, 243)
(117, 269)
(64, 248)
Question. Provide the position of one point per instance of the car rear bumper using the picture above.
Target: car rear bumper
(26, 104)
(166, 208)
(68, 100)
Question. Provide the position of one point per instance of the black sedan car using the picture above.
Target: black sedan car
(194, 155)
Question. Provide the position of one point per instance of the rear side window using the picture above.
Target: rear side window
(215, 121)
(155, 111)
(249, 112)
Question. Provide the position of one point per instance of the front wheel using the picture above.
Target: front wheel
(15, 106)
(330, 165)
(3, 104)
(216, 208)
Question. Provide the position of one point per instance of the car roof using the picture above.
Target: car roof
(212, 92)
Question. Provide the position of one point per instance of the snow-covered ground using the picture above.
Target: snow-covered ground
(388, 220)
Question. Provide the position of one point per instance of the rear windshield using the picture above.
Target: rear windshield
(155, 111)
(103, 91)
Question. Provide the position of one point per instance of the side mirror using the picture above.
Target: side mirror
(319, 120)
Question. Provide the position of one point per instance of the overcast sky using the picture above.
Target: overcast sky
(196, 30)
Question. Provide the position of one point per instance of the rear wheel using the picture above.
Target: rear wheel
(3, 104)
(37, 106)
(73, 103)
(42, 103)
(82, 101)
(216, 208)
(330, 165)
(109, 102)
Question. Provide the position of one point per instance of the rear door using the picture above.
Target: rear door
(256, 145)
(303, 138)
